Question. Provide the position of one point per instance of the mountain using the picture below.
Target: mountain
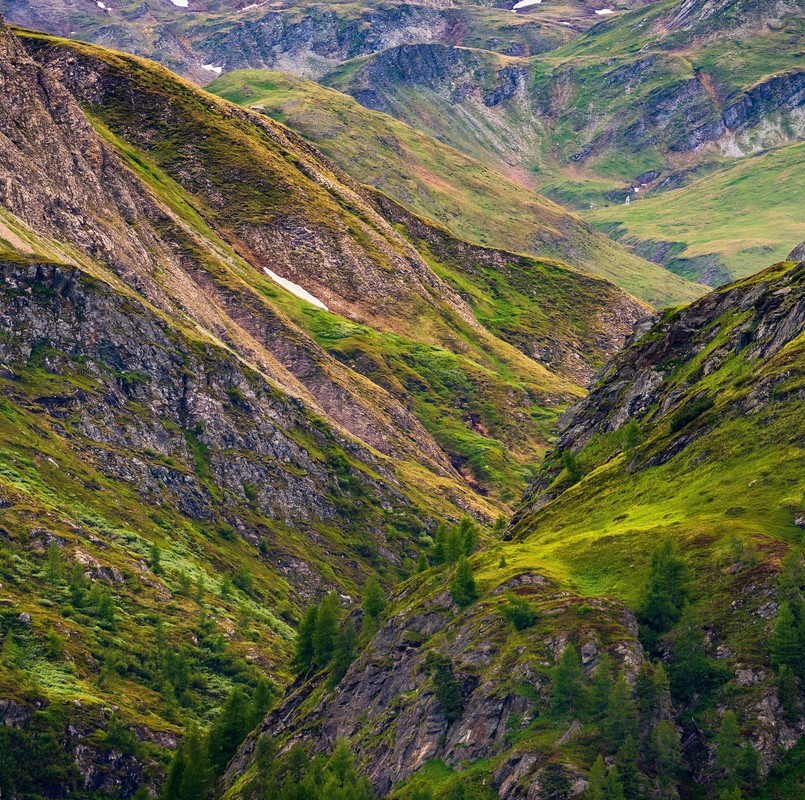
(691, 439)
(639, 103)
(198, 38)
(471, 200)
(233, 379)
(589, 103)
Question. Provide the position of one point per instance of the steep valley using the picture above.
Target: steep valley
(414, 413)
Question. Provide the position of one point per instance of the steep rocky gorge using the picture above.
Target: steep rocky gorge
(191, 453)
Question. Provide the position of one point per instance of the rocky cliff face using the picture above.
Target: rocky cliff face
(386, 707)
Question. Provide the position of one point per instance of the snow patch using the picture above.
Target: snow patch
(603, 12)
(211, 68)
(295, 288)
(180, 3)
(250, 6)
(101, 5)
(525, 4)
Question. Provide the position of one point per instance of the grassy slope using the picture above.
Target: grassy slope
(471, 200)
(745, 211)
(738, 477)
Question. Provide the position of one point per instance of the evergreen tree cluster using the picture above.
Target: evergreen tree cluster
(296, 776)
(202, 757)
(631, 725)
(325, 640)
(454, 542)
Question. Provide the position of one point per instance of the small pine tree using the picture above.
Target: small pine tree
(344, 654)
(518, 611)
(554, 784)
(613, 788)
(326, 630)
(630, 776)
(666, 590)
(422, 563)
(572, 466)
(692, 671)
(262, 698)
(374, 599)
(225, 587)
(468, 536)
(621, 718)
(792, 578)
(601, 688)
(728, 747)
(438, 554)
(566, 685)
(53, 565)
(462, 587)
(242, 579)
(446, 688)
(155, 559)
(785, 640)
(631, 438)
(787, 693)
(596, 780)
(749, 773)
(197, 776)
(303, 656)
(666, 756)
(228, 730)
(502, 564)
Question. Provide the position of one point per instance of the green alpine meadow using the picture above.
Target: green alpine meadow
(402, 400)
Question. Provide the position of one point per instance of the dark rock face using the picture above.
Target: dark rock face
(386, 707)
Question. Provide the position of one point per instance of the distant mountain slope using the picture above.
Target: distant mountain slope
(716, 226)
(463, 195)
(638, 101)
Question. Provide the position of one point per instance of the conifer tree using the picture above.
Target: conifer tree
(728, 747)
(344, 654)
(666, 590)
(787, 693)
(229, 729)
(303, 657)
(438, 554)
(596, 780)
(326, 630)
(462, 587)
(422, 563)
(374, 599)
(785, 641)
(692, 671)
(666, 756)
(613, 788)
(197, 776)
(261, 701)
(468, 535)
(601, 688)
(621, 719)
(53, 565)
(566, 685)
(630, 776)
